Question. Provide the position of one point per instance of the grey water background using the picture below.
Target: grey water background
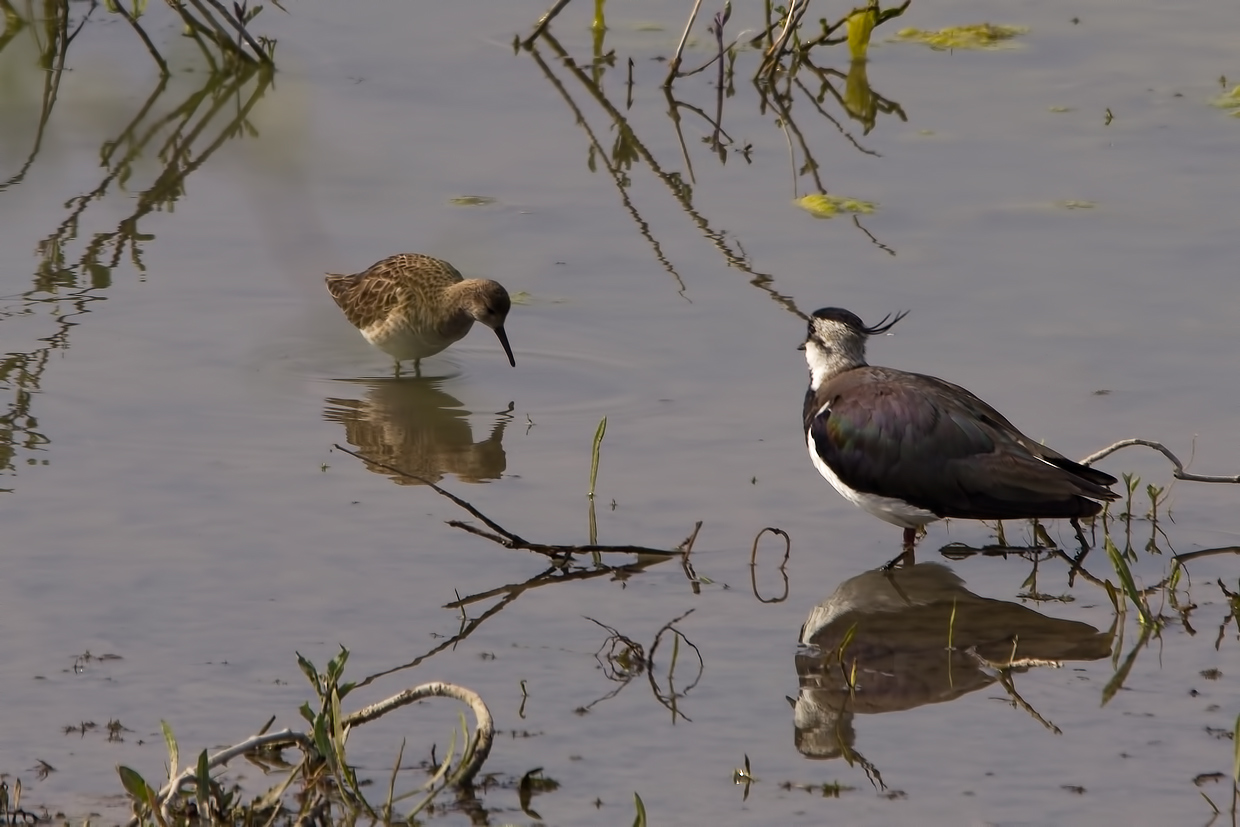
(172, 495)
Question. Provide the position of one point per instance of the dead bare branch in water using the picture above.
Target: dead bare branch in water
(506, 538)
(671, 697)
(484, 727)
(557, 573)
(695, 582)
(626, 659)
(474, 755)
(783, 566)
(1179, 473)
(544, 22)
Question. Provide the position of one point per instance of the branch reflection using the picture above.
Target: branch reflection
(75, 266)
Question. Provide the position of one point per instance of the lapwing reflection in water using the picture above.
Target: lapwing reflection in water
(897, 624)
(412, 425)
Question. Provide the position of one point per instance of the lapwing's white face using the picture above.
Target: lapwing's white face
(830, 348)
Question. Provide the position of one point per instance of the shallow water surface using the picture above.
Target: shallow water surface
(175, 378)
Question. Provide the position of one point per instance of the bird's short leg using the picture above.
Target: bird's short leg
(417, 368)
(396, 372)
(1080, 535)
(1080, 558)
(907, 556)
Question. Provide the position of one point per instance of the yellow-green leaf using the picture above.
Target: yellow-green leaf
(821, 205)
(860, 25)
(972, 36)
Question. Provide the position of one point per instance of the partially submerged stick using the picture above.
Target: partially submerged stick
(1179, 473)
(480, 748)
(503, 536)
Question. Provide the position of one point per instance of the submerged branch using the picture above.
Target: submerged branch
(506, 538)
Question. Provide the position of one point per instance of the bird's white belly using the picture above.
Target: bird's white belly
(405, 342)
(889, 509)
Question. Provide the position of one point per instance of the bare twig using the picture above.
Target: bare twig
(776, 52)
(150, 47)
(239, 25)
(753, 564)
(544, 22)
(1179, 473)
(680, 47)
(503, 536)
(669, 699)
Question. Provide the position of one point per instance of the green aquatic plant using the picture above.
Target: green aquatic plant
(821, 205)
(860, 26)
(594, 453)
(1229, 101)
(329, 787)
(972, 36)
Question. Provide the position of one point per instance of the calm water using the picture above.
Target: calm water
(172, 495)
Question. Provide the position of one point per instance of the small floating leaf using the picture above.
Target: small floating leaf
(821, 205)
(1229, 100)
(473, 200)
(1076, 205)
(973, 36)
(1058, 109)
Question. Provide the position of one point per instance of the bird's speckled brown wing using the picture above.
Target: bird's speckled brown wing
(369, 298)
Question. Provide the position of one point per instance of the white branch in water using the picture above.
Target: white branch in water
(474, 756)
(1179, 473)
(267, 739)
(484, 732)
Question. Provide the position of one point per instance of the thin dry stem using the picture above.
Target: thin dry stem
(680, 47)
(544, 22)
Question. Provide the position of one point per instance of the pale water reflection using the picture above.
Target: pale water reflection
(412, 425)
(890, 640)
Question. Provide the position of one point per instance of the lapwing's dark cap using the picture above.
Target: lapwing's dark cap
(850, 319)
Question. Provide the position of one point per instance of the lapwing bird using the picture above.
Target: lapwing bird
(412, 306)
(911, 449)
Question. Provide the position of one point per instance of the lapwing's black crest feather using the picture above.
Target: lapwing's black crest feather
(847, 317)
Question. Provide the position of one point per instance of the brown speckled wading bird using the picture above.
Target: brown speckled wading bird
(911, 449)
(412, 306)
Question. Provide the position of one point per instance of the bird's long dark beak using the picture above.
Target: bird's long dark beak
(503, 340)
